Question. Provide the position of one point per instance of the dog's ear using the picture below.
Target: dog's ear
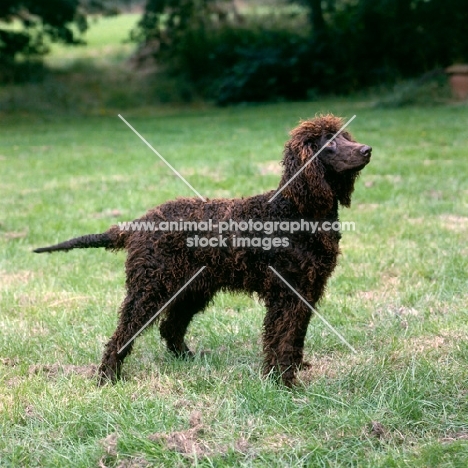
(322, 193)
(309, 190)
(344, 187)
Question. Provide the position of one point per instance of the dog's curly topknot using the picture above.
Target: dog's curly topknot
(313, 129)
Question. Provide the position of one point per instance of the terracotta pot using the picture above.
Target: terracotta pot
(458, 76)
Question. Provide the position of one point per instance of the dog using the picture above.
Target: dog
(169, 273)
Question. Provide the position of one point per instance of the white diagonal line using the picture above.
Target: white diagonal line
(162, 159)
(161, 309)
(336, 332)
(311, 159)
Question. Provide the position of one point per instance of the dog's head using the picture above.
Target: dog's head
(327, 169)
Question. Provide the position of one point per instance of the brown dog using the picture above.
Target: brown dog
(161, 260)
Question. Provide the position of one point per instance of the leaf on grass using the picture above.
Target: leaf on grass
(110, 444)
(185, 442)
(377, 429)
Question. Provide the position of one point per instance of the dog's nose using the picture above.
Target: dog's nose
(366, 151)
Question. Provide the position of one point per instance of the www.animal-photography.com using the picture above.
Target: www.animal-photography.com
(234, 234)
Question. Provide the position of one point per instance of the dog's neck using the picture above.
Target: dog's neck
(320, 204)
(305, 208)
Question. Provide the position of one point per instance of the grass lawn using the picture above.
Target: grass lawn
(399, 296)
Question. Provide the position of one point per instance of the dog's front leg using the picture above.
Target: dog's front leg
(285, 328)
(177, 319)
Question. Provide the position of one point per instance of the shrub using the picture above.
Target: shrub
(227, 57)
(235, 64)
(230, 58)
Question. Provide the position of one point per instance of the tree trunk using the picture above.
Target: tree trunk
(317, 21)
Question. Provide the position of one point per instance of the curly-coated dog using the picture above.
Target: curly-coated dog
(237, 241)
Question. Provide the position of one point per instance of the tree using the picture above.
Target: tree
(166, 23)
(348, 45)
(27, 26)
(316, 12)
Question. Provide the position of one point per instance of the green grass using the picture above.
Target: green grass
(399, 296)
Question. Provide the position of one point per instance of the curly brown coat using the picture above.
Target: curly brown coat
(159, 262)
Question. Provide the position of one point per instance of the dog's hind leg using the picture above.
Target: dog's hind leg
(146, 296)
(135, 312)
(111, 362)
(176, 320)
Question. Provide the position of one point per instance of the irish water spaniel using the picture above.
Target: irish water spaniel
(237, 243)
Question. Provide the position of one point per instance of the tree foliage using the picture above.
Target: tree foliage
(371, 41)
(27, 26)
(349, 44)
(167, 24)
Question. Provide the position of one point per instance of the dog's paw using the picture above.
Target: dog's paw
(289, 379)
(187, 354)
(181, 352)
(286, 377)
(105, 376)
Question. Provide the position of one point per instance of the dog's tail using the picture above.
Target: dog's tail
(83, 242)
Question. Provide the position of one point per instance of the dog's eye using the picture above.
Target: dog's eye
(330, 144)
